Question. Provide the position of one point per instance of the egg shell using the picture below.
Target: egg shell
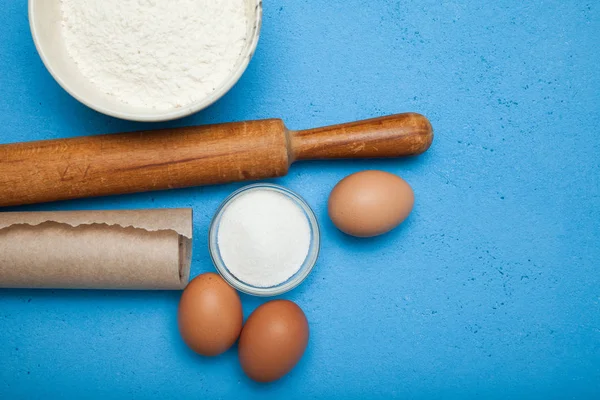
(210, 315)
(273, 340)
(370, 203)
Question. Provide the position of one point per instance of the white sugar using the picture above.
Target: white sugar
(263, 237)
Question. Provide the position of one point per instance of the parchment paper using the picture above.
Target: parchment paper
(128, 249)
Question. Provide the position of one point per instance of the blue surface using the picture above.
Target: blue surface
(491, 289)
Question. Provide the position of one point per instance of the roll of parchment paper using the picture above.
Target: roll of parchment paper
(130, 249)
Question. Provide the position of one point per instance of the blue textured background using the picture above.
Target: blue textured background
(490, 289)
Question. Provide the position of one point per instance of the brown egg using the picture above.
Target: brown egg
(370, 203)
(210, 315)
(273, 340)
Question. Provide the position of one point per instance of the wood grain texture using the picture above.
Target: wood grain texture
(391, 136)
(141, 161)
(43, 171)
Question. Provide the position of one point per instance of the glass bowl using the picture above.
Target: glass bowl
(294, 280)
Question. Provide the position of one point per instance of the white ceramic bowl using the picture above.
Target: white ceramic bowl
(45, 24)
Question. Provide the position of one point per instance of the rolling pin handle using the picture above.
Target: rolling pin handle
(390, 136)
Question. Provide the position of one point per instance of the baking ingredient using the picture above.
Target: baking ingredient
(370, 203)
(263, 237)
(158, 54)
(273, 340)
(210, 315)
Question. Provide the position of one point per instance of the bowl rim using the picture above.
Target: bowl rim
(159, 116)
(296, 279)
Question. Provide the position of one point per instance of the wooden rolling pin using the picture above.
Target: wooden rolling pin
(43, 171)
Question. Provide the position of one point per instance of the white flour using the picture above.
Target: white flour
(155, 53)
(263, 238)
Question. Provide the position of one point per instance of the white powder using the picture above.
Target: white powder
(264, 237)
(156, 54)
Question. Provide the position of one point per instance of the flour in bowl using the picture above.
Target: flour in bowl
(158, 54)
